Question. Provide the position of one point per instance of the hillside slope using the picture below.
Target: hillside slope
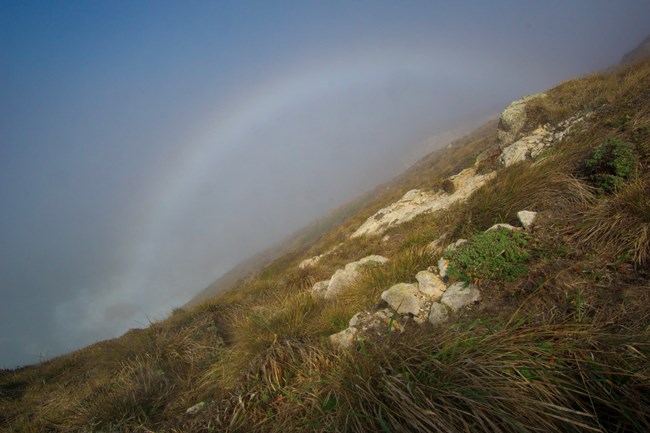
(553, 333)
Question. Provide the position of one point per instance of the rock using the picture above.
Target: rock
(501, 226)
(416, 202)
(527, 218)
(529, 147)
(344, 339)
(513, 119)
(357, 319)
(459, 295)
(454, 245)
(438, 313)
(443, 264)
(348, 275)
(199, 407)
(373, 259)
(402, 297)
(319, 289)
(311, 262)
(430, 284)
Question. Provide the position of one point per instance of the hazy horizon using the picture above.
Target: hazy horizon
(148, 147)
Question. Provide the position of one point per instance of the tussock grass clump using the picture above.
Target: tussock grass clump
(618, 226)
(547, 185)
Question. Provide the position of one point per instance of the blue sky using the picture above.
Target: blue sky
(147, 147)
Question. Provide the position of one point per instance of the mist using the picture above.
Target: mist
(148, 147)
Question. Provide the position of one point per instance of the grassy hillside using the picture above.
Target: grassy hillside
(562, 344)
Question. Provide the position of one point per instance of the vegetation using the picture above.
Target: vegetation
(499, 254)
(566, 348)
(611, 164)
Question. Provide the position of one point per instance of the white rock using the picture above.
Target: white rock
(459, 295)
(443, 264)
(527, 218)
(438, 313)
(310, 262)
(454, 245)
(513, 119)
(344, 277)
(344, 339)
(199, 407)
(416, 202)
(430, 284)
(501, 226)
(319, 288)
(402, 297)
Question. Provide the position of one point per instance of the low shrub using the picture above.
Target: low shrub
(611, 164)
(499, 254)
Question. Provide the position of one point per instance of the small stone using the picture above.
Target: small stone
(345, 338)
(402, 297)
(459, 295)
(527, 218)
(356, 319)
(438, 313)
(501, 226)
(443, 264)
(199, 407)
(430, 284)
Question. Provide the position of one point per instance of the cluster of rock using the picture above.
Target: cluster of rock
(516, 148)
(416, 202)
(431, 299)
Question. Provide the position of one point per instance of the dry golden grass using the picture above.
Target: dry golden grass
(563, 349)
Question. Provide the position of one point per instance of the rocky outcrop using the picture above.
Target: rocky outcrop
(416, 202)
(513, 120)
(342, 278)
(534, 144)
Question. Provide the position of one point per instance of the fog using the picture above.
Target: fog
(148, 147)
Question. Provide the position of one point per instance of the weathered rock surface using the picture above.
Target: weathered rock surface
(430, 284)
(443, 264)
(320, 288)
(403, 298)
(344, 277)
(439, 313)
(344, 339)
(313, 261)
(459, 295)
(416, 202)
(513, 119)
(527, 218)
(532, 145)
(501, 226)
